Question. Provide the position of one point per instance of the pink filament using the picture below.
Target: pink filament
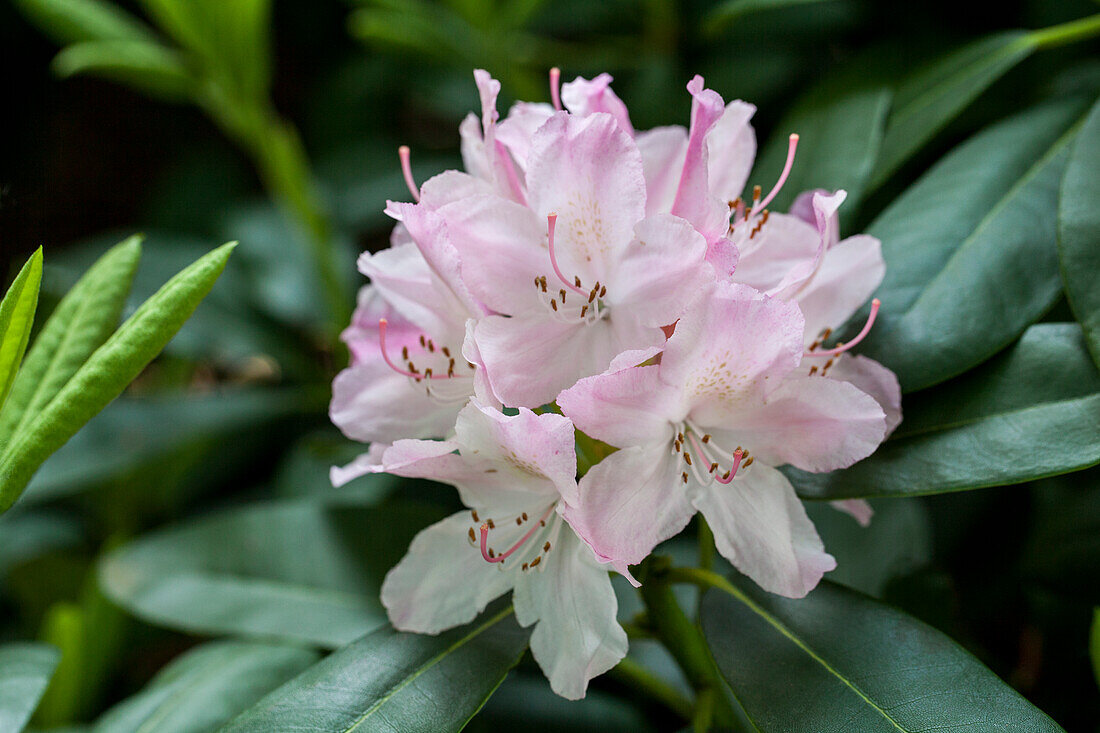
(859, 337)
(555, 86)
(791, 146)
(382, 325)
(703, 459)
(551, 224)
(500, 558)
(406, 170)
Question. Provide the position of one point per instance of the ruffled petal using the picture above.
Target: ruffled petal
(813, 423)
(694, 200)
(622, 407)
(784, 245)
(662, 150)
(631, 501)
(857, 509)
(849, 273)
(364, 464)
(868, 376)
(761, 527)
(443, 581)
(731, 149)
(517, 129)
(402, 276)
(583, 97)
(589, 172)
(573, 605)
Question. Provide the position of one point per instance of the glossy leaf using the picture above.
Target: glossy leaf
(1032, 412)
(390, 680)
(16, 320)
(1079, 230)
(25, 671)
(27, 535)
(299, 570)
(840, 128)
(73, 21)
(107, 372)
(847, 662)
(969, 249)
(145, 65)
(932, 96)
(82, 321)
(733, 10)
(206, 687)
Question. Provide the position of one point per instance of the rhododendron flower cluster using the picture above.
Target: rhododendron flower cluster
(586, 280)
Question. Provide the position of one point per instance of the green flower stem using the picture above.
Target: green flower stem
(706, 544)
(634, 675)
(1065, 33)
(704, 711)
(682, 638)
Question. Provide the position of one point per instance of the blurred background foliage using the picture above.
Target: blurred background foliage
(217, 456)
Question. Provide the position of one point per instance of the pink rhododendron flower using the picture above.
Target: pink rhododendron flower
(704, 430)
(515, 473)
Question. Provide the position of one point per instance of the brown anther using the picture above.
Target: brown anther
(687, 458)
(713, 467)
(542, 522)
(412, 368)
(538, 282)
(592, 295)
(748, 463)
(524, 515)
(423, 343)
(603, 291)
(473, 537)
(828, 364)
(405, 353)
(813, 370)
(490, 524)
(536, 561)
(706, 438)
(546, 547)
(491, 553)
(446, 351)
(584, 309)
(576, 281)
(684, 477)
(826, 334)
(525, 566)
(474, 513)
(518, 521)
(470, 364)
(431, 346)
(756, 191)
(680, 437)
(542, 283)
(554, 304)
(726, 476)
(428, 373)
(561, 294)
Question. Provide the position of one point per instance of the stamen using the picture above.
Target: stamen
(489, 555)
(859, 337)
(551, 224)
(411, 372)
(731, 474)
(791, 146)
(555, 87)
(406, 170)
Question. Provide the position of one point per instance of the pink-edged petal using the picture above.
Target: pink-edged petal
(450, 186)
(730, 348)
(812, 423)
(723, 257)
(761, 527)
(502, 247)
(694, 200)
(443, 581)
(663, 150)
(583, 97)
(483, 390)
(364, 464)
(731, 148)
(517, 129)
(404, 279)
(538, 449)
(573, 605)
(662, 271)
(784, 248)
(488, 89)
(873, 378)
(857, 509)
(371, 402)
(622, 407)
(631, 501)
(849, 274)
(589, 172)
(803, 205)
(825, 206)
(474, 157)
(530, 359)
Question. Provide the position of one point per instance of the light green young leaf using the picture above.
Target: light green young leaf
(970, 248)
(16, 320)
(1079, 230)
(79, 325)
(966, 434)
(206, 687)
(25, 671)
(390, 680)
(73, 21)
(932, 96)
(847, 662)
(149, 66)
(107, 372)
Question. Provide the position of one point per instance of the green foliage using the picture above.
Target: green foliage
(1079, 230)
(74, 21)
(25, 671)
(397, 681)
(206, 687)
(16, 319)
(878, 669)
(966, 434)
(107, 372)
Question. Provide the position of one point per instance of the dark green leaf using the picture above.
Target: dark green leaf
(25, 671)
(1032, 412)
(1063, 552)
(1094, 644)
(732, 10)
(107, 372)
(935, 94)
(27, 535)
(969, 249)
(16, 320)
(72, 21)
(82, 321)
(840, 127)
(392, 681)
(303, 570)
(206, 687)
(1079, 230)
(144, 65)
(846, 662)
